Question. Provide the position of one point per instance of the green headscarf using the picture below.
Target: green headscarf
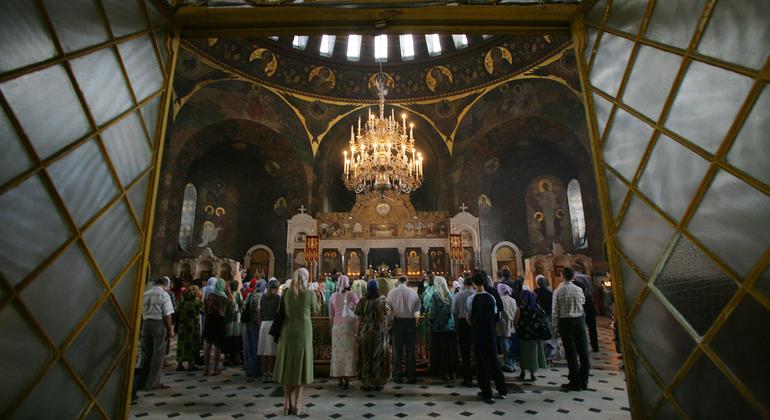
(219, 288)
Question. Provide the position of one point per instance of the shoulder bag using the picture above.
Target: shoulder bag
(275, 329)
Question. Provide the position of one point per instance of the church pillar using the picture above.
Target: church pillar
(402, 260)
(424, 259)
(289, 260)
(343, 264)
(366, 259)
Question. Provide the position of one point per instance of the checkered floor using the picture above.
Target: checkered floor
(233, 395)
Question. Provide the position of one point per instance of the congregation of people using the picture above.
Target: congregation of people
(477, 329)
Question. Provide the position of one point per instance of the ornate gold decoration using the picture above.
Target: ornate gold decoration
(212, 41)
(327, 77)
(489, 62)
(271, 66)
(390, 83)
(382, 156)
(430, 79)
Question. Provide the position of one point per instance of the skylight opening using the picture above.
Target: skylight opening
(381, 48)
(274, 38)
(407, 46)
(486, 37)
(300, 42)
(327, 45)
(434, 44)
(354, 47)
(460, 41)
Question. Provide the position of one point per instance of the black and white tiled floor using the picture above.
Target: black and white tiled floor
(233, 395)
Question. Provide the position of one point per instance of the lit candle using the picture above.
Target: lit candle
(403, 122)
(352, 136)
(411, 131)
(359, 125)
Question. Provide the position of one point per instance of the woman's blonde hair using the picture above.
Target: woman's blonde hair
(299, 282)
(441, 288)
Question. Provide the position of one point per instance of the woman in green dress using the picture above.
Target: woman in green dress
(374, 351)
(294, 356)
(188, 344)
(531, 324)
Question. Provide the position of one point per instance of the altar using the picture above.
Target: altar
(383, 231)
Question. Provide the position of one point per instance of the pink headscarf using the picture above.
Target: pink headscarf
(343, 282)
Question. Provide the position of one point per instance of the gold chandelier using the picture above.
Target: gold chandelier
(382, 155)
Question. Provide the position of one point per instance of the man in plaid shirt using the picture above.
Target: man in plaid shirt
(569, 323)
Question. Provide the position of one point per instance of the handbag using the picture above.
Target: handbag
(275, 329)
(348, 313)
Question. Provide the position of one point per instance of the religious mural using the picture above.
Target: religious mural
(547, 213)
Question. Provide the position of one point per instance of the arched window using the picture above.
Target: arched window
(575, 200)
(188, 216)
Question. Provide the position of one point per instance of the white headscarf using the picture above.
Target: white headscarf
(441, 290)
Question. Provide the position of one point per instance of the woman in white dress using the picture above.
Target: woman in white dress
(342, 305)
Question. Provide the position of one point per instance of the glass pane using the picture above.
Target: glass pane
(721, 38)
(690, 393)
(125, 16)
(163, 48)
(590, 39)
(187, 221)
(406, 42)
(84, 181)
(51, 117)
(22, 355)
(742, 360)
(732, 221)
(602, 107)
(706, 104)
(610, 63)
(14, 159)
(658, 335)
(577, 217)
(750, 150)
(643, 235)
(626, 15)
(142, 66)
(666, 411)
(626, 142)
(63, 397)
(25, 38)
(595, 14)
(151, 113)
(763, 282)
(93, 414)
(632, 284)
(127, 145)
(33, 229)
(617, 191)
(156, 17)
(97, 346)
(696, 287)
(113, 240)
(60, 312)
(102, 83)
(137, 195)
(647, 90)
(111, 397)
(672, 176)
(78, 23)
(125, 290)
(649, 391)
(673, 22)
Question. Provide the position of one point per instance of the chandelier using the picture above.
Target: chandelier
(382, 156)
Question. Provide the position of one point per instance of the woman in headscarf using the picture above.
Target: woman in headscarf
(506, 327)
(442, 337)
(329, 288)
(216, 303)
(188, 343)
(344, 349)
(266, 346)
(530, 325)
(210, 285)
(374, 351)
(294, 361)
(545, 300)
(233, 326)
(250, 319)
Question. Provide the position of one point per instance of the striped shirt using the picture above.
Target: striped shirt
(568, 300)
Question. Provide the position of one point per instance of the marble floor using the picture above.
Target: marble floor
(233, 395)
